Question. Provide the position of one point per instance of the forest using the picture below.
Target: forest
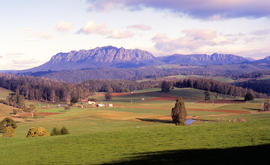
(43, 89)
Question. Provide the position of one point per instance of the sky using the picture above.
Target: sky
(32, 31)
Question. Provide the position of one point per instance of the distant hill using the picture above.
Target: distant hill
(203, 59)
(263, 62)
(134, 64)
(100, 57)
(112, 57)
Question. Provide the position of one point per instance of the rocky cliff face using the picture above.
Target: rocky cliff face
(108, 56)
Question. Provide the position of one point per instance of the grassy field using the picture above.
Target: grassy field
(136, 131)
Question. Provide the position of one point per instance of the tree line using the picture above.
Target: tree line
(215, 86)
(42, 89)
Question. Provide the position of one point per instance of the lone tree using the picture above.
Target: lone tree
(266, 106)
(108, 96)
(249, 96)
(179, 113)
(166, 86)
(206, 96)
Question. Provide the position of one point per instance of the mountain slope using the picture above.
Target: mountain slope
(108, 56)
(203, 59)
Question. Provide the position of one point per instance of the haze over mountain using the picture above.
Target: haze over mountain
(109, 56)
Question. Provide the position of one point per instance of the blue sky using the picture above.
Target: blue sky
(32, 31)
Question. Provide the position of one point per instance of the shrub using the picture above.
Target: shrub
(249, 96)
(34, 132)
(55, 131)
(9, 132)
(64, 131)
(108, 96)
(266, 106)
(7, 122)
(179, 113)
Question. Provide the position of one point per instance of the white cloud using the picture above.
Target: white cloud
(93, 28)
(63, 26)
(193, 40)
(140, 27)
(116, 34)
(101, 29)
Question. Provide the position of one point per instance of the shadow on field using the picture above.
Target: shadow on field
(154, 120)
(238, 155)
(254, 109)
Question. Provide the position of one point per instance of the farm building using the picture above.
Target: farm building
(91, 102)
(100, 105)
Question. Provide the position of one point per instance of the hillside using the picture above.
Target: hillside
(204, 59)
(113, 57)
(99, 57)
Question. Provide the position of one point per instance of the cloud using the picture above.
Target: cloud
(192, 41)
(116, 34)
(140, 27)
(102, 29)
(93, 28)
(35, 35)
(63, 26)
(262, 32)
(214, 9)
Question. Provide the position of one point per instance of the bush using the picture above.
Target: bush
(249, 96)
(108, 96)
(266, 106)
(9, 132)
(35, 132)
(7, 122)
(64, 131)
(55, 131)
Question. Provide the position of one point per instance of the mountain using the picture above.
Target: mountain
(263, 62)
(203, 59)
(99, 57)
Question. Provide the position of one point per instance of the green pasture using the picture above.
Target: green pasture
(131, 132)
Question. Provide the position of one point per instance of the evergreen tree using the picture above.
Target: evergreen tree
(166, 86)
(266, 106)
(206, 96)
(249, 96)
(108, 96)
(179, 113)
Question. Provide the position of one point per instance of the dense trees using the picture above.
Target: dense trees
(215, 86)
(41, 89)
(179, 113)
(166, 86)
(262, 86)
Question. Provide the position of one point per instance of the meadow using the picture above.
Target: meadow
(138, 130)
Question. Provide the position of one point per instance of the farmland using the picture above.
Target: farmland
(138, 129)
